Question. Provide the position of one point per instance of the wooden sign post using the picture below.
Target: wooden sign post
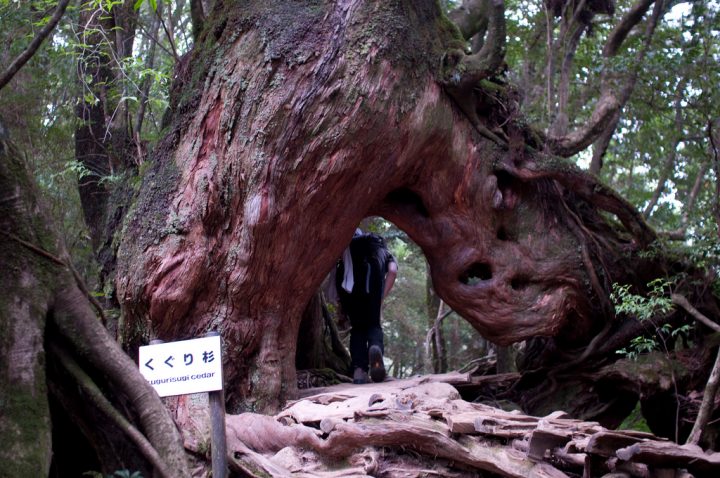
(191, 366)
(218, 444)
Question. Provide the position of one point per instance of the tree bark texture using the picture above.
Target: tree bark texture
(294, 122)
(25, 443)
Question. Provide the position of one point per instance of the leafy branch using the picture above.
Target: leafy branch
(28, 53)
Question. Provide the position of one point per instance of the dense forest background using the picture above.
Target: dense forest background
(91, 107)
(661, 157)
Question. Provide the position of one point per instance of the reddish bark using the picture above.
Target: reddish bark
(293, 124)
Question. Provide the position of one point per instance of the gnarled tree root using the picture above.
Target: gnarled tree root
(360, 430)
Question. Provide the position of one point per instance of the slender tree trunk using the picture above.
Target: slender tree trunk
(669, 164)
(434, 339)
(692, 196)
(560, 123)
(198, 14)
(124, 21)
(102, 141)
(505, 359)
(632, 18)
(440, 361)
(550, 63)
(148, 80)
(320, 346)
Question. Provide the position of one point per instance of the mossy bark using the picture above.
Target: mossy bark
(39, 290)
(26, 282)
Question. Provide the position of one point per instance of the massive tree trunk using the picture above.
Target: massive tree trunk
(293, 122)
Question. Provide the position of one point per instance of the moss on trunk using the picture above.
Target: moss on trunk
(25, 447)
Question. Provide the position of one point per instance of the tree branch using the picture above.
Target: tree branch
(712, 385)
(471, 17)
(601, 144)
(586, 186)
(34, 248)
(622, 29)
(551, 54)
(707, 403)
(576, 141)
(147, 82)
(697, 315)
(560, 123)
(169, 35)
(669, 164)
(28, 53)
(606, 115)
(485, 63)
(435, 335)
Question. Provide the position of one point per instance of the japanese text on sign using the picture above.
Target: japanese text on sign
(187, 366)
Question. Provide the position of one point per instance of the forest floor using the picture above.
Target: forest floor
(420, 427)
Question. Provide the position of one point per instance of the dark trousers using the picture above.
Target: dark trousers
(361, 339)
(363, 307)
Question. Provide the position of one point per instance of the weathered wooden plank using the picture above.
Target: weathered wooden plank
(452, 378)
(665, 454)
(503, 428)
(542, 442)
(461, 422)
(606, 443)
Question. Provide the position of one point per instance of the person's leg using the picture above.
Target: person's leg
(377, 366)
(375, 337)
(353, 310)
(359, 347)
(376, 347)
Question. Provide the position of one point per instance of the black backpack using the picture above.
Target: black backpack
(365, 248)
(369, 246)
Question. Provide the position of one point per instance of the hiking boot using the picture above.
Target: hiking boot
(360, 376)
(377, 368)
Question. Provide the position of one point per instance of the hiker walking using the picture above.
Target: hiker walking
(363, 278)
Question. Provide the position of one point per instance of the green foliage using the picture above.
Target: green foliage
(39, 107)
(124, 473)
(139, 3)
(663, 129)
(635, 421)
(645, 308)
(639, 345)
(642, 307)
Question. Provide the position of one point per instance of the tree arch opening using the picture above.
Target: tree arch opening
(422, 334)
